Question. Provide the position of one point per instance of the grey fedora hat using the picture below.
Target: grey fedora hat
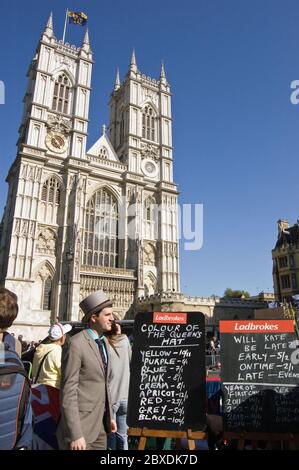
(94, 303)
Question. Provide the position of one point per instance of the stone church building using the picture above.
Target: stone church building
(76, 219)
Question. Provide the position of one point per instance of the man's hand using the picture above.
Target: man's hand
(79, 444)
(113, 425)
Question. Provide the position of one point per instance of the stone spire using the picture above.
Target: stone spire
(86, 43)
(162, 74)
(117, 81)
(133, 65)
(49, 27)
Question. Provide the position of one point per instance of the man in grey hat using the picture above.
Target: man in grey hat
(85, 400)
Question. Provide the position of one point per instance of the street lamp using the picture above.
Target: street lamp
(69, 258)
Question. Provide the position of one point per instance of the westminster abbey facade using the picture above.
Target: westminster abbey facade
(80, 219)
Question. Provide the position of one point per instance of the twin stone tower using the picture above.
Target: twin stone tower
(77, 220)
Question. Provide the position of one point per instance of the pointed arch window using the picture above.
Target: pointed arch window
(49, 201)
(150, 284)
(47, 294)
(51, 191)
(148, 123)
(103, 152)
(149, 217)
(62, 94)
(101, 230)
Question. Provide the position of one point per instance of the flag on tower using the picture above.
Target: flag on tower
(77, 17)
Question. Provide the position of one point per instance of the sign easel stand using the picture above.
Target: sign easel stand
(191, 436)
(292, 439)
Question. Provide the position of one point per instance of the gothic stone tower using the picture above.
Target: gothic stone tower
(77, 221)
(141, 133)
(40, 244)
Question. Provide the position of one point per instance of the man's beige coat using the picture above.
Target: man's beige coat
(84, 392)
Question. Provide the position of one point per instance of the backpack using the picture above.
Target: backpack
(15, 408)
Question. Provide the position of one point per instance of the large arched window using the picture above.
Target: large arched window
(148, 123)
(101, 230)
(61, 95)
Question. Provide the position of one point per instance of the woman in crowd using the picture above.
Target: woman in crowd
(120, 357)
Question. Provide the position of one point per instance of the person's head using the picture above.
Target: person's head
(8, 308)
(102, 321)
(98, 312)
(57, 333)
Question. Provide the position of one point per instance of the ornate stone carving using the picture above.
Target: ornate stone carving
(17, 227)
(63, 60)
(71, 182)
(24, 228)
(148, 94)
(129, 273)
(44, 272)
(148, 81)
(31, 172)
(57, 123)
(149, 151)
(31, 229)
(46, 242)
(134, 195)
(149, 255)
(120, 291)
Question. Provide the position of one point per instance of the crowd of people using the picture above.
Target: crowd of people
(79, 386)
(77, 395)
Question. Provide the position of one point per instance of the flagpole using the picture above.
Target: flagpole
(65, 23)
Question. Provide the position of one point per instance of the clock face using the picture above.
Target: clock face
(149, 168)
(56, 142)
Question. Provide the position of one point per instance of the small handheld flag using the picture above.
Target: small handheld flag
(77, 17)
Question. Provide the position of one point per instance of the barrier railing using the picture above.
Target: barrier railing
(212, 360)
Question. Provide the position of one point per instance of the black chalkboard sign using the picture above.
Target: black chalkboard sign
(260, 376)
(167, 384)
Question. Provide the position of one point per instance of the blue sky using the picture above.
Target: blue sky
(230, 64)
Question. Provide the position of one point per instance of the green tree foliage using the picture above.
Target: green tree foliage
(229, 293)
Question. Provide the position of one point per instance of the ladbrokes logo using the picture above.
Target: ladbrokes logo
(256, 327)
(161, 317)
